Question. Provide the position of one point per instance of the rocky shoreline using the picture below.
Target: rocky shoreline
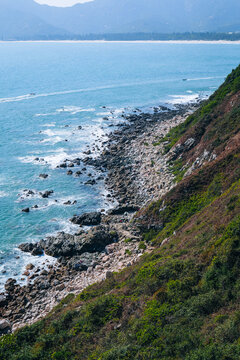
(137, 173)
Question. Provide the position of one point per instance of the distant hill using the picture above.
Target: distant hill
(29, 19)
(20, 23)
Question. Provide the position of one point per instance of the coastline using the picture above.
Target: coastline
(196, 42)
(119, 238)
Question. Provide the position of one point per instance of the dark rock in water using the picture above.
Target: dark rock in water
(46, 194)
(37, 251)
(120, 210)
(34, 249)
(88, 152)
(90, 182)
(26, 210)
(5, 327)
(87, 219)
(63, 165)
(69, 172)
(43, 176)
(27, 247)
(78, 173)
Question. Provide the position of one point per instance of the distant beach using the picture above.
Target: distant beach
(197, 42)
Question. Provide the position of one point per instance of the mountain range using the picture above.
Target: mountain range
(26, 19)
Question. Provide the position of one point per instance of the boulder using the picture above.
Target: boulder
(3, 300)
(5, 327)
(68, 246)
(10, 285)
(87, 219)
(120, 210)
(90, 182)
(43, 176)
(26, 247)
(46, 194)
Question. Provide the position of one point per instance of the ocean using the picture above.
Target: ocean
(59, 98)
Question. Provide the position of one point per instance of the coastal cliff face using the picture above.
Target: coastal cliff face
(181, 300)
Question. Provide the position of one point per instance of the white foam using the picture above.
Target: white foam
(107, 113)
(50, 125)
(74, 109)
(3, 180)
(3, 194)
(56, 159)
(183, 99)
(19, 266)
(206, 78)
(53, 141)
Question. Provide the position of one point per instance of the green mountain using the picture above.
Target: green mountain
(181, 301)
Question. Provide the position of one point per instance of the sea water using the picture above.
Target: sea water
(49, 90)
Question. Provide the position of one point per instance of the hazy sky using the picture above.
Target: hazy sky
(61, 2)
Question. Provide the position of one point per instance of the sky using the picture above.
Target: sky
(61, 2)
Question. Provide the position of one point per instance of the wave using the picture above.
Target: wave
(74, 110)
(49, 125)
(98, 88)
(70, 109)
(183, 99)
(3, 194)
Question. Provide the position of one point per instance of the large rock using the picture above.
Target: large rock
(120, 210)
(97, 239)
(3, 300)
(10, 285)
(87, 219)
(5, 327)
(66, 245)
(34, 249)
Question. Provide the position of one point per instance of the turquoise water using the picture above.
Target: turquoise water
(45, 87)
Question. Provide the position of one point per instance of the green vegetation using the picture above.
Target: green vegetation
(220, 125)
(181, 301)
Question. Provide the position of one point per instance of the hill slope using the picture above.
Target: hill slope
(20, 22)
(182, 300)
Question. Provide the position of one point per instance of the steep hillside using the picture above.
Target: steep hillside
(180, 301)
